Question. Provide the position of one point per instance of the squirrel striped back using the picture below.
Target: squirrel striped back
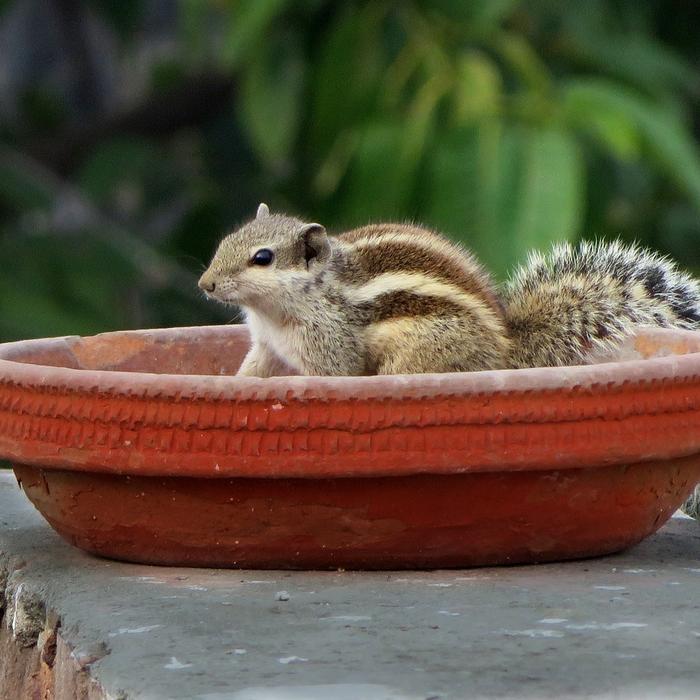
(426, 303)
(404, 249)
(580, 301)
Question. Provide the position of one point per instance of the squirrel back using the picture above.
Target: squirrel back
(580, 301)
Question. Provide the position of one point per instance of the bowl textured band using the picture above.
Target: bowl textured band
(127, 422)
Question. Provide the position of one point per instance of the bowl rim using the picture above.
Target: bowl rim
(387, 387)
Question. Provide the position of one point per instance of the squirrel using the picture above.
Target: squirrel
(381, 299)
(402, 299)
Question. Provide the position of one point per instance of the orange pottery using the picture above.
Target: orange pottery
(142, 446)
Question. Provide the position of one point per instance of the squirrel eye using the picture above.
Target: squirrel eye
(262, 257)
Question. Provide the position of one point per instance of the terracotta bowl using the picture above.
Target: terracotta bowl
(141, 446)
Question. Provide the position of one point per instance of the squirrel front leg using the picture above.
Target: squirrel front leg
(262, 362)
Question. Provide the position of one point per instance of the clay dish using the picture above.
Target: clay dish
(141, 446)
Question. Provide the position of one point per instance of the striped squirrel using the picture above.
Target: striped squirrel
(382, 299)
(400, 299)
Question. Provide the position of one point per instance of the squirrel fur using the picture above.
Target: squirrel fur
(381, 299)
(401, 299)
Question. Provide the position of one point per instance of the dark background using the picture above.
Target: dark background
(134, 133)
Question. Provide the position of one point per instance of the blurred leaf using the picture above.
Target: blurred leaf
(551, 190)
(522, 58)
(249, 22)
(73, 290)
(616, 129)
(664, 135)
(593, 36)
(380, 179)
(420, 118)
(641, 61)
(681, 226)
(345, 80)
(117, 161)
(133, 177)
(478, 91)
(123, 16)
(167, 75)
(479, 13)
(505, 189)
(43, 109)
(194, 19)
(332, 170)
(49, 317)
(450, 198)
(382, 176)
(271, 97)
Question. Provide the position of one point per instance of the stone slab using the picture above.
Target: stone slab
(623, 626)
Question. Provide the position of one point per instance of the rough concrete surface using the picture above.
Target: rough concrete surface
(624, 626)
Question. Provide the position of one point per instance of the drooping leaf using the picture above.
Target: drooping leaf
(381, 176)
(345, 81)
(522, 59)
(271, 99)
(388, 153)
(645, 63)
(478, 91)
(616, 129)
(506, 189)
(593, 35)
(550, 195)
(662, 132)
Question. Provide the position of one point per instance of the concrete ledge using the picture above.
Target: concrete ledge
(625, 626)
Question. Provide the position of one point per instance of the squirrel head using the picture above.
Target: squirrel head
(265, 260)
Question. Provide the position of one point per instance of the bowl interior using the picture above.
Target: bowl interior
(205, 350)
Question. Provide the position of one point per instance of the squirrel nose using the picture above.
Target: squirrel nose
(207, 285)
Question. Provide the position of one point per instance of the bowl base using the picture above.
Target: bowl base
(403, 522)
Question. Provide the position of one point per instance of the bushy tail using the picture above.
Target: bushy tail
(582, 300)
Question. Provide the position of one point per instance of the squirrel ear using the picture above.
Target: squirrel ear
(317, 247)
(263, 211)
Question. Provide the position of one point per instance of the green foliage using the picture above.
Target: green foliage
(272, 94)
(506, 124)
(510, 182)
